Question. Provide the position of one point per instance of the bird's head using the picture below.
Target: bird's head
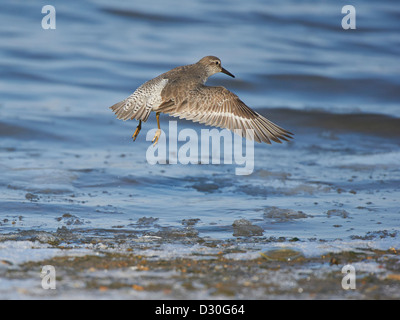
(213, 65)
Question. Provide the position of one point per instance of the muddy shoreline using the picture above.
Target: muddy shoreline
(141, 268)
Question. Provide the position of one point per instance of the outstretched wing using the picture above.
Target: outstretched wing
(218, 107)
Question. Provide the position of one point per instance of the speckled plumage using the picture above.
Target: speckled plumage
(181, 92)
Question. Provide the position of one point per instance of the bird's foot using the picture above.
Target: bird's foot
(136, 133)
(156, 136)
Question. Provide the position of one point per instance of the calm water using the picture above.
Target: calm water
(66, 162)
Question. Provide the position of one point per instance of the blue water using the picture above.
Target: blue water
(66, 161)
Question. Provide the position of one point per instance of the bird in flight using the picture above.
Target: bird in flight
(181, 92)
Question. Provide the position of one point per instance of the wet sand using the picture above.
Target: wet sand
(148, 268)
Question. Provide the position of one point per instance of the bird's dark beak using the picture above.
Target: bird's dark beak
(223, 70)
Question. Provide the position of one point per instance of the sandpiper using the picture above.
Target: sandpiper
(181, 92)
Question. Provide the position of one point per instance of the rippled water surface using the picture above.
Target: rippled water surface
(68, 165)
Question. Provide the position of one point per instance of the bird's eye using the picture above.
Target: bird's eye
(217, 62)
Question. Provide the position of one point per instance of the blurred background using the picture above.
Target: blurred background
(284, 53)
(66, 163)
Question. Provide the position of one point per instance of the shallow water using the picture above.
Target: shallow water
(68, 167)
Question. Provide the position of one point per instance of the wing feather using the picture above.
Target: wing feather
(217, 106)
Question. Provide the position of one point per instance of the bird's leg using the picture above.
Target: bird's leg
(136, 133)
(158, 132)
